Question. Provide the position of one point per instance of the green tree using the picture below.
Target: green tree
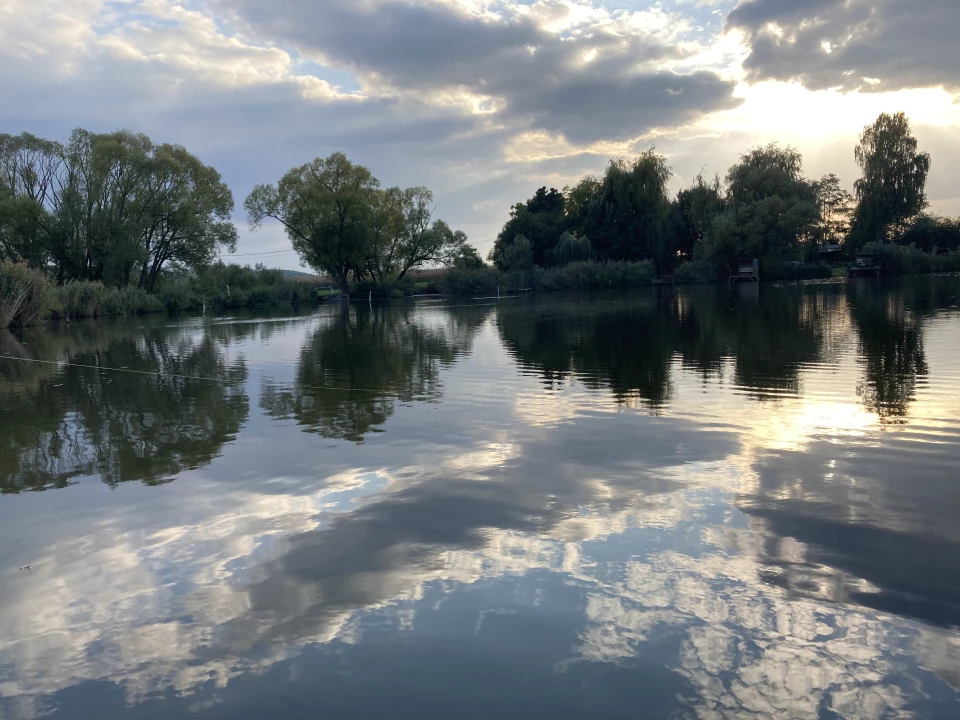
(931, 233)
(770, 209)
(693, 212)
(836, 208)
(570, 249)
(629, 216)
(109, 207)
(421, 242)
(540, 219)
(891, 189)
(518, 255)
(188, 212)
(577, 200)
(325, 207)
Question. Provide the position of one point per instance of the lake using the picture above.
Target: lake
(681, 502)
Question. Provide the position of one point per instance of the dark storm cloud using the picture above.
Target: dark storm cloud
(900, 44)
(590, 84)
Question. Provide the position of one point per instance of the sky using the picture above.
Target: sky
(484, 101)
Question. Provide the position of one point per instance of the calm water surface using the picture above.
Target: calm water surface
(703, 503)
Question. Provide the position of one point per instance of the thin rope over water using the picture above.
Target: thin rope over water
(182, 377)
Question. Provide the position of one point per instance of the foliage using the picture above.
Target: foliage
(577, 201)
(25, 295)
(472, 282)
(836, 208)
(341, 223)
(92, 299)
(570, 249)
(695, 271)
(540, 219)
(909, 260)
(465, 257)
(770, 209)
(891, 189)
(325, 207)
(222, 286)
(592, 275)
(796, 271)
(110, 207)
(518, 255)
(693, 213)
(585, 275)
(930, 233)
(628, 217)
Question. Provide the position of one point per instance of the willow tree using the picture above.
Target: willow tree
(629, 215)
(769, 210)
(110, 207)
(324, 206)
(891, 189)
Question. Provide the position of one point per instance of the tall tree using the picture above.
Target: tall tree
(188, 217)
(836, 208)
(694, 210)
(629, 216)
(109, 206)
(891, 189)
(576, 202)
(540, 219)
(324, 207)
(769, 210)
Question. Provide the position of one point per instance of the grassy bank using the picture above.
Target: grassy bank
(586, 275)
(694, 272)
(910, 260)
(28, 296)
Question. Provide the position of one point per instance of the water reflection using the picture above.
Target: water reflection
(628, 344)
(358, 364)
(146, 425)
(890, 329)
(503, 533)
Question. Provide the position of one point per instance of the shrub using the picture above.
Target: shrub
(803, 271)
(570, 249)
(26, 295)
(87, 299)
(900, 259)
(471, 282)
(695, 271)
(585, 275)
(177, 297)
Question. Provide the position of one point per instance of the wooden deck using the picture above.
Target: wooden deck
(746, 270)
(864, 264)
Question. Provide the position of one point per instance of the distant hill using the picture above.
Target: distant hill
(302, 276)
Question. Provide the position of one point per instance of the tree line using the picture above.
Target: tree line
(114, 208)
(764, 207)
(120, 210)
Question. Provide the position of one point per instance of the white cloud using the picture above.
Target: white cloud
(482, 100)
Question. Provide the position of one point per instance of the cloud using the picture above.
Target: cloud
(861, 45)
(481, 100)
(590, 76)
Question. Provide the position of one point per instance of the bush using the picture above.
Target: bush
(177, 297)
(586, 275)
(87, 299)
(900, 259)
(695, 271)
(26, 295)
(804, 271)
(570, 249)
(471, 282)
(592, 275)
